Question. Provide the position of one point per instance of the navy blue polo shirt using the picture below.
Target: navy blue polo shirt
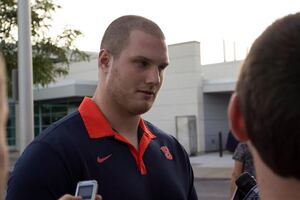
(84, 146)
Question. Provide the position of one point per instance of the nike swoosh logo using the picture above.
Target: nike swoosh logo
(100, 160)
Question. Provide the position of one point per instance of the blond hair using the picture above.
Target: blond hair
(3, 118)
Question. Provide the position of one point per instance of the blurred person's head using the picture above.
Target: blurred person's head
(3, 118)
(265, 110)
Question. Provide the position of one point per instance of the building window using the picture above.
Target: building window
(44, 115)
(11, 125)
(47, 113)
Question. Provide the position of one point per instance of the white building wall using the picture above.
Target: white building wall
(82, 71)
(81, 81)
(215, 119)
(179, 93)
(219, 82)
(226, 71)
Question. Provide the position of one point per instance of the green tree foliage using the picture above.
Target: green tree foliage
(51, 55)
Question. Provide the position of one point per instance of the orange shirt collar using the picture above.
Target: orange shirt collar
(97, 125)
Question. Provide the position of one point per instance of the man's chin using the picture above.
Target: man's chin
(139, 110)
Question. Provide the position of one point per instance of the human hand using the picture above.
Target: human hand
(70, 197)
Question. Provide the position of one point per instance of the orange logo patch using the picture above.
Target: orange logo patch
(167, 153)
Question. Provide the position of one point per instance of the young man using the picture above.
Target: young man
(265, 110)
(3, 118)
(106, 139)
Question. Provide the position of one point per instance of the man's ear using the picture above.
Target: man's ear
(236, 119)
(104, 60)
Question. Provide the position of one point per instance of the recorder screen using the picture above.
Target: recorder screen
(85, 192)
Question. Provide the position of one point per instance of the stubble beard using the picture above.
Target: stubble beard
(123, 98)
(139, 110)
(134, 108)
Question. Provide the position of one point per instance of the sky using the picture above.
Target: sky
(213, 23)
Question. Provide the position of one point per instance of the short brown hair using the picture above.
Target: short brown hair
(117, 33)
(268, 92)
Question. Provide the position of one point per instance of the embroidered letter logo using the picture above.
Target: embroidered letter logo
(100, 160)
(167, 153)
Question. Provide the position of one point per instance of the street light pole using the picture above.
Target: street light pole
(26, 131)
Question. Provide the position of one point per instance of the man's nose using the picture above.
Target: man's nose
(153, 75)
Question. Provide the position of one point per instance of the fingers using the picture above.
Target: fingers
(99, 197)
(70, 197)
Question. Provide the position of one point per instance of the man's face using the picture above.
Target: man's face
(135, 77)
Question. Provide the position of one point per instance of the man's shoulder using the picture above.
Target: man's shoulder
(69, 124)
(59, 141)
(157, 131)
(169, 141)
(52, 157)
(161, 135)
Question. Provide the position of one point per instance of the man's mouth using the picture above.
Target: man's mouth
(147, 92)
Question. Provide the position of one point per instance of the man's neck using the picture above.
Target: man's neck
(123, 122)
(272, 186)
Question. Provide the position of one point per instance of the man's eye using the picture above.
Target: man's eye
(142, 63)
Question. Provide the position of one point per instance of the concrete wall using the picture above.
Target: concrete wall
(215, 119)
(81, 81)
(83, 71)
(221, 71)
(65, 89)
(179, 93)
(218, 83)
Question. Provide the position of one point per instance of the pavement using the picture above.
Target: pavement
(212, 166)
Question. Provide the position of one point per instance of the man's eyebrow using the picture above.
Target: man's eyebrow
(149, 60)
(141, 58)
